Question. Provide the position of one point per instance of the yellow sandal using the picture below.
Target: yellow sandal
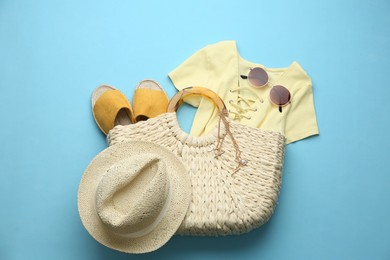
(149, 100)
(110, 107)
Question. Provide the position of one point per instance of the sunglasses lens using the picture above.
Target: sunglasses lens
(279, 95)
(258, 77)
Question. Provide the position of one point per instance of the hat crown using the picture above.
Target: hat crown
(133, 194)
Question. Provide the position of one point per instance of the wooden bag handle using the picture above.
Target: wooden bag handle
(177, 99)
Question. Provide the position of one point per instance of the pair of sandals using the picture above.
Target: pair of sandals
(111, 107)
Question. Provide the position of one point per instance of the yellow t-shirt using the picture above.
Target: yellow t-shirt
(219, 66)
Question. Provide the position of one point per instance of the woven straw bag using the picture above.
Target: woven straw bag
(235, 169)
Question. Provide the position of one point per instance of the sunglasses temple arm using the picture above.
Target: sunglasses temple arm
(244, 77)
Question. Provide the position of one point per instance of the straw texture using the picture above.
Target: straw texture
(223, 202)
(134, 196)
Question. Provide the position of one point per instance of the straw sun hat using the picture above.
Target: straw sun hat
(133, 196)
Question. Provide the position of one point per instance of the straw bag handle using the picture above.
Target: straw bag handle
(177, 99)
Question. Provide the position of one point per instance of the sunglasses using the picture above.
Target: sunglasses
(279, 95)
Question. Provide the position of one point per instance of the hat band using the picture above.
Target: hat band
(151, 227)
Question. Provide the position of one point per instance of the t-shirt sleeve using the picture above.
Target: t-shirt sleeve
(192, 72)
(301, 121)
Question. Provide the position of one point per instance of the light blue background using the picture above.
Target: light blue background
(334, 202)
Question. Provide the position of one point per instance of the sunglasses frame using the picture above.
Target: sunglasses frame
(252, 71)
(266, 84)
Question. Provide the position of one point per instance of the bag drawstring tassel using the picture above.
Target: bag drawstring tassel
(241, 162)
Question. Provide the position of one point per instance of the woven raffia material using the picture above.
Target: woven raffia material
(223, 202)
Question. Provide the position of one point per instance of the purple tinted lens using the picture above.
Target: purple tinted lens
(258, 77)
(279, 95)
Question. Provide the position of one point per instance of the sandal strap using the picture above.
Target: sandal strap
(107, 107)
(149, 102)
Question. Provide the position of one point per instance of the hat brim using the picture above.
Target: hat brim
(180, 184)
